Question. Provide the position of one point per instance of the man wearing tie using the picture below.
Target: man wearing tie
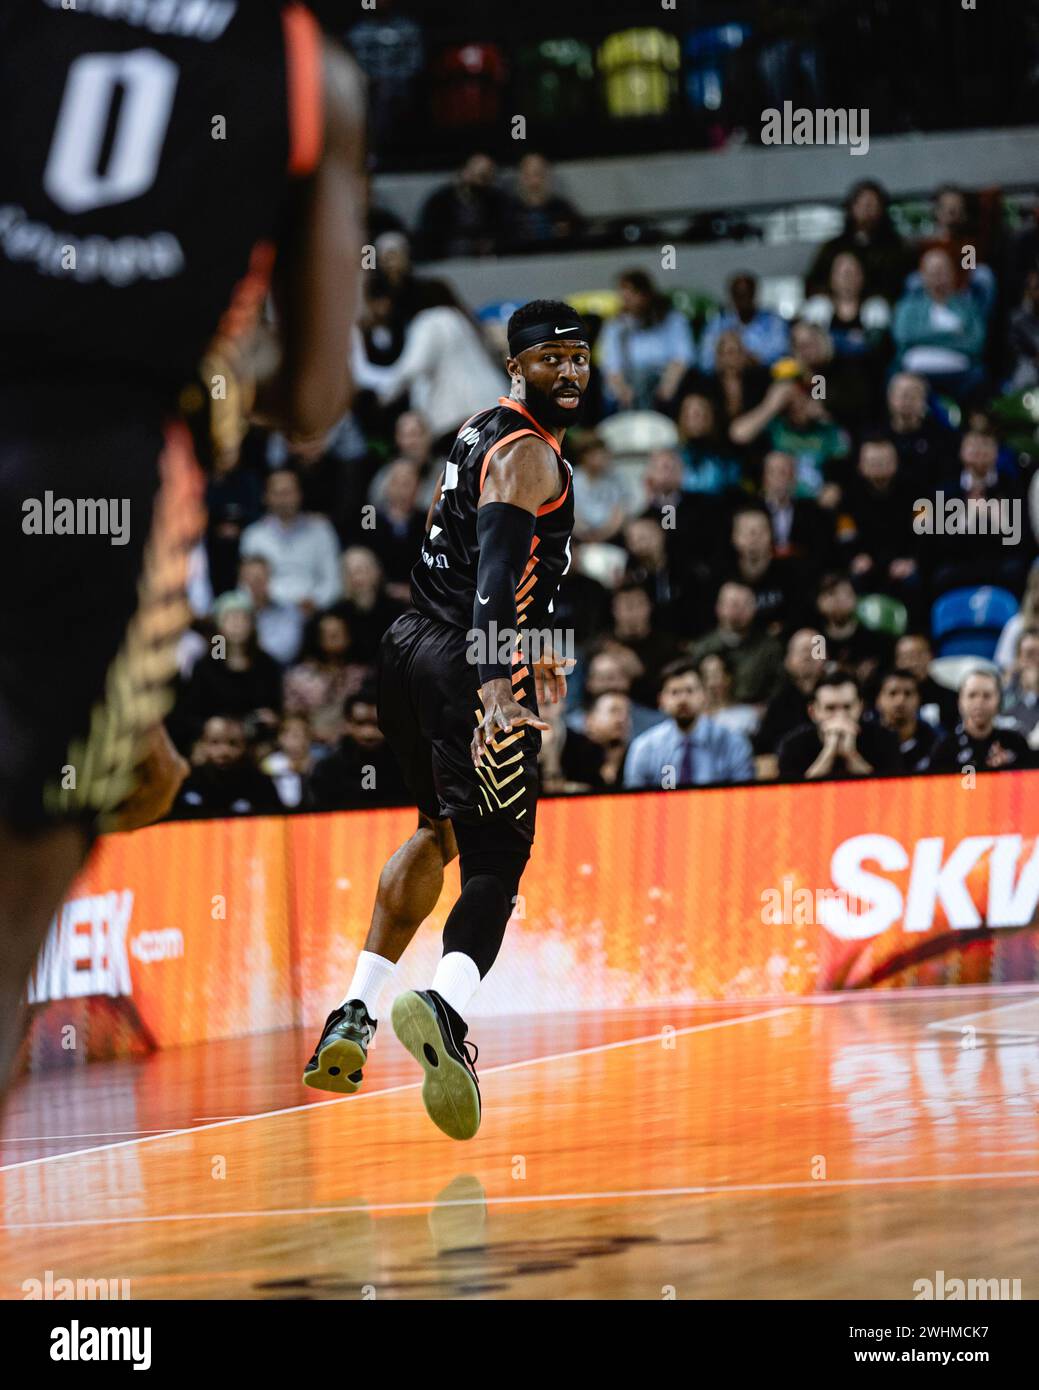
(689, 749)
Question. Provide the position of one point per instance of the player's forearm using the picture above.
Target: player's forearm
(504, 533)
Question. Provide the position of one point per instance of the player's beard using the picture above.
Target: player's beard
(547, 411)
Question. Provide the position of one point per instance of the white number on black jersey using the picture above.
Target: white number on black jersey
(73, 177)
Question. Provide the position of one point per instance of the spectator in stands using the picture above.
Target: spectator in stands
(754, 563)
(939, 332)
(1026, 616)
(836, 742)
(409, 293)
(234, 677)
(803, 667)
(234, 500)
(738, 385)
(870, 234)
(443, 367)
(1023, 337)
(279, 626)
(849, 643)
(224, 781)
(764, 334)
(361, 770)
(954, 231)
(689, 748)
(793, 421)
(382, 331)
(366, 606)
(302, 550)
(540, 219)
(801, 530)
(289, 765)
(976, 742)
(756, 656)
(715, 672)
(595, 758)
(468, 216)
(897, 708)
(329, 671)
(848, 387)
(612, 670)
(400, 527)
(1021, 697)
(996, 550)
(414, 442)
(602, 500)
(687, 520)
(647, 348)
(856, 322)
(710, 465)
(914, 653)
(925, 447)
(649, 565)
(633, 628)
(877, 523)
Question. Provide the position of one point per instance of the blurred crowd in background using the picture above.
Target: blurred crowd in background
(765, 582)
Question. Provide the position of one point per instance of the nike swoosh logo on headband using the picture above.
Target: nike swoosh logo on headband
(574, 329)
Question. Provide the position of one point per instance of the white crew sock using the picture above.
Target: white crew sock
(371, 974)
(457, 980)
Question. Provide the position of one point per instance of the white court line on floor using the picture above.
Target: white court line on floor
(408, 1086)
(87, 1134)
(713, 1190)
(941, 1025)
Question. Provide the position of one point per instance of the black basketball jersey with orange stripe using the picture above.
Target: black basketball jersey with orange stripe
(443, 581)
(145, 175)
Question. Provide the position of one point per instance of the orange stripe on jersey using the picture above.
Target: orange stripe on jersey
(306, 88)
(525, 589)
(518, 405)
(551, 506)
(498, 444)
(518, 675)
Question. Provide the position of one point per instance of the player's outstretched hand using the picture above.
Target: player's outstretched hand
(161, 775)
(501, 714)
(550, 673)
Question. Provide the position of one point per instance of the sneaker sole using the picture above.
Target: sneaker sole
(347, 1057)
(449, 1093)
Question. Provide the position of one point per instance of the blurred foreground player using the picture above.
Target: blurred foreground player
(171, 162)
(460, 710)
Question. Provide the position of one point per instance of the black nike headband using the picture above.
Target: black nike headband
(536, 333)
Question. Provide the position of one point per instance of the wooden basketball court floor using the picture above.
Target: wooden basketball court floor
(833, 1148)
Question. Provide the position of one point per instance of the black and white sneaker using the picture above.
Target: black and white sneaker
(342, 1050)
(434, 1034)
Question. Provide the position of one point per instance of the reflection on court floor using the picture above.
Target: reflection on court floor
(844, 1147)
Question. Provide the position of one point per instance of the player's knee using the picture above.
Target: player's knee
(440, 833)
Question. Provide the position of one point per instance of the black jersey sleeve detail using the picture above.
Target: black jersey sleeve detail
(504, 534)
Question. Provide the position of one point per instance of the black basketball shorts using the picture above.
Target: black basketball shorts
(100, 507)
(429, 707)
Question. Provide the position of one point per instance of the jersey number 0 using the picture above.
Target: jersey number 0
(74, 178)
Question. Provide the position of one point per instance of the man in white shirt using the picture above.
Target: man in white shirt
(444, 366)
(302, 550)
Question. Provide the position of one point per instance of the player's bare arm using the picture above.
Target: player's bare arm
(521, 477)
(317, 277)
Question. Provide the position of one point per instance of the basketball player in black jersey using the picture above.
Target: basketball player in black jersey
(163, 164)
(459, 706)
